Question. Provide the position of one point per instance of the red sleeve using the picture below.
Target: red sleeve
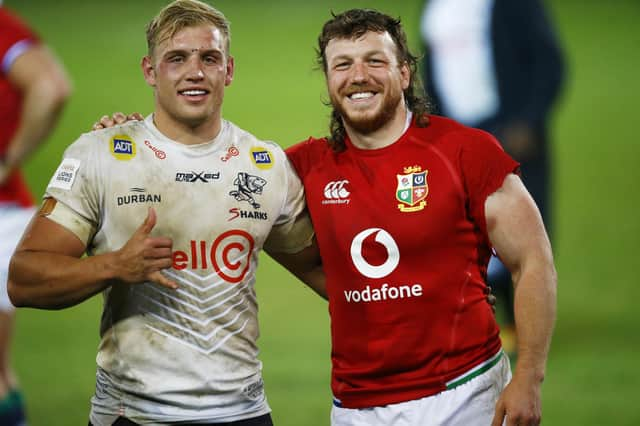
(12, 32)
(484, 165)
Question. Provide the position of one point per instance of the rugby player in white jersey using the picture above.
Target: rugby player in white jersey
(172, 212)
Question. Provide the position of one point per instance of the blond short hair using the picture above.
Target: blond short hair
(181, 14)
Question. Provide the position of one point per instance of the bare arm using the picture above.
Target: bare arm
(45, 88)
(306, 265)
(518, 235)
(47, 270)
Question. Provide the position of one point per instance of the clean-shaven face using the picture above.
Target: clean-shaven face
(365, 81)
(189, 73)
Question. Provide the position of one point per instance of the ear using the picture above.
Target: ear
(148, 71)
(405, 74)
(230, 68)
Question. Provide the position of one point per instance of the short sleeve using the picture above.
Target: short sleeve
(15, 38)
(76, 185)
(484, 166)
(292, 230)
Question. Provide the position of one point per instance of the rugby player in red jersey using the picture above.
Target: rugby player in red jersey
(407, 208)
(33, 90)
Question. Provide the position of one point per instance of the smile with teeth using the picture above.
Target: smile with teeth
(193, 92)
(361, 95)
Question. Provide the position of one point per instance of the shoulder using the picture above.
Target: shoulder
(264, 154)
(309, 147)
(306, 154)
(449, 132)
(120, 141)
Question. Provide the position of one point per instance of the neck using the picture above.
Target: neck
(187, 133)
(385, 135)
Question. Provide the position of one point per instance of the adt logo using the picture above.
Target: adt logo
(262, 158)
(123, 147)
(364, 267)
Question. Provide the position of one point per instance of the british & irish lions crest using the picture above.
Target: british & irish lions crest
(412, 189)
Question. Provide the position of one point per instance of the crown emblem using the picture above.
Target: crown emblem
(412, 169)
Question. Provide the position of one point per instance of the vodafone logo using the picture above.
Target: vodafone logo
(376, 292)
(364, 267)
(336, 192)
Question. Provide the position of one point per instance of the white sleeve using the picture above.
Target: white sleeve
(75, 184)
(292, 230)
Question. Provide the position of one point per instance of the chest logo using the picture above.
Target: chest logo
(160, 154)
(231, 152)
(262, 158)
(336, 192)
(412, 189)
(122, 147)
(383, 238)
(248, 185)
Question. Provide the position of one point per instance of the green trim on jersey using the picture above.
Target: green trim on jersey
(476, 371)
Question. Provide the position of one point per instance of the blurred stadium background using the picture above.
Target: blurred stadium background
(592, 376)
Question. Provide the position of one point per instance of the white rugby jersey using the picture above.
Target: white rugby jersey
(188, 354)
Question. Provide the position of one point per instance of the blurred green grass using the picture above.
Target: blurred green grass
(277, 94)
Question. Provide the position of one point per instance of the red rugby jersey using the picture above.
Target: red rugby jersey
(15, 36)
(403, 239)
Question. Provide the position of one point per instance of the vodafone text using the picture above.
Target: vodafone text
(385, 292)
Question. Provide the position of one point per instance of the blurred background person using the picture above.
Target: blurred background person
(33, 90)
(497, 65)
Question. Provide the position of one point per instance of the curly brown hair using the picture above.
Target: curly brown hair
(352, 25)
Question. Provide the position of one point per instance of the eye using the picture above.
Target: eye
(376, 62)
(343, 65)
(176, 59)
(210, 59)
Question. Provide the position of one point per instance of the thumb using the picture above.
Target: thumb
(149, 222)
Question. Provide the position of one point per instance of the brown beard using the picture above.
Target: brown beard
(370, 124)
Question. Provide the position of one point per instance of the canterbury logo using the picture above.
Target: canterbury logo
(336, 192)
(364, 267)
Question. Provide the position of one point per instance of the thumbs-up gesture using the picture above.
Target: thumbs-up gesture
(143, 256)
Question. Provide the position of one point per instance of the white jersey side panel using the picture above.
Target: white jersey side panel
(188, 354)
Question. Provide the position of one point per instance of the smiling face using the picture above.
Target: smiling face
(365, 80)
(189, 72)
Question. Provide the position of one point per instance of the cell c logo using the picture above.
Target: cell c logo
(231, 254)
(364, 267)
(336, 189)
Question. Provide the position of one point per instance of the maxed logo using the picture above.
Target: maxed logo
(262, 158)
(122, 147)
(229, 255)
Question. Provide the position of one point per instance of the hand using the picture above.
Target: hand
(520, 402)
(117, 118)
(143, 257)
(519, 141)
(491, 299)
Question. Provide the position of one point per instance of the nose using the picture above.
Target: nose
(360, 72)
(194, 70)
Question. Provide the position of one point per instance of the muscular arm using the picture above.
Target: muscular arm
(306, 265)
(47, 270)
(517, 233)
(45, 88)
